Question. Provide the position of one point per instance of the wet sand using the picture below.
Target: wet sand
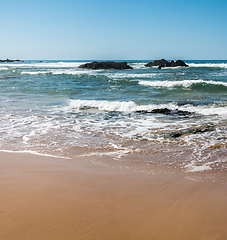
(49, 198)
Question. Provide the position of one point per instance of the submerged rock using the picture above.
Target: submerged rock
(161, 110)
(200, 129)
(165, 111)
(157, 110)
(163, 63)
(106, 65)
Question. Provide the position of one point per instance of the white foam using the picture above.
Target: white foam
(58, 72)
(33, 153)
(130, 106)
(138, 65)
(103, 105)
(206, 110)
(3, 68)
(71, 72)
(34, 73)
(43, 65)
(194, 168)
(131, 75)
(219, 65)
(184, 83)
(26, 137)
(117, 106)
(115, 154)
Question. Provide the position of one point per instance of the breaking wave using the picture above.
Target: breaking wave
(182, 83)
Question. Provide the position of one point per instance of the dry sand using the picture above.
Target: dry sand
(47, 198)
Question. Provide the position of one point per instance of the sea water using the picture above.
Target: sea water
(54, 108)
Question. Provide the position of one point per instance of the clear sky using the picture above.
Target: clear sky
(113, 30)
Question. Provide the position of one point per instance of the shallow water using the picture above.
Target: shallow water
(54, 107)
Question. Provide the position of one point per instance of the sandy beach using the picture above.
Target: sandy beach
(50, 198)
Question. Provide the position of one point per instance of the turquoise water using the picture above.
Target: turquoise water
(54, 107)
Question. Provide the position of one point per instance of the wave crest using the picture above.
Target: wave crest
(183, 83)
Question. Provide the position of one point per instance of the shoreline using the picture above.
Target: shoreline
(53, 198)
(173, 119)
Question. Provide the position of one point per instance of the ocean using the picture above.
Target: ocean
(171, 119)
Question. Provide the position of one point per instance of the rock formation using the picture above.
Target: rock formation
(106, 65)
(163, 63)
(200, 129)
(166, 111)
(8, 60)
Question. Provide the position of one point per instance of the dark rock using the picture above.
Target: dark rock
(8, 60)
(161, 110)
(176, 134)
(178, 63)
(222, 138)
(157, 110)
(163, 63)
(203, 128)
(200, 129)
(181, 112)
(166, 111)
(159, 63)
(106, 65)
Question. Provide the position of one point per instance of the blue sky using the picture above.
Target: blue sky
(118, 29)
